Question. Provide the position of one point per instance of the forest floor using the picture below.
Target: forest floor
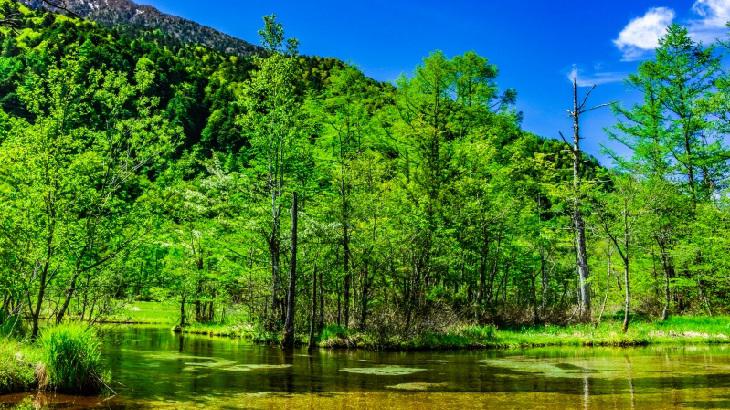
(677, 329)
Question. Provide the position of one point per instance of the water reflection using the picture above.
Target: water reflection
(158, 368)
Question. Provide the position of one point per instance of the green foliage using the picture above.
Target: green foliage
(138, 169)
(72, 358)
(17, 366)
(12, 326)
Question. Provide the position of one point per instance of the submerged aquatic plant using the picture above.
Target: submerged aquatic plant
(383, 370)
(418, 386)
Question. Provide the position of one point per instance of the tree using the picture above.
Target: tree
(579, 108)
(287, 342)
(273, 120)
(69, 172)
(620, 211)
(685, 73)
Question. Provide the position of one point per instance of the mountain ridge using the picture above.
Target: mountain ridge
(138, 17)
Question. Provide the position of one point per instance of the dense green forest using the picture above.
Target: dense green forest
(139, 168)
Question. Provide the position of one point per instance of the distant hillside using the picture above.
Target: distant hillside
(130, 15)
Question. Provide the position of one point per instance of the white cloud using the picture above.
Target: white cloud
(713, 16)
(642, 34)
(595, 78)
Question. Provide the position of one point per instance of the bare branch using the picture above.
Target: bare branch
(563, 137)
(585, 99)
(59, 5)
(599, 106)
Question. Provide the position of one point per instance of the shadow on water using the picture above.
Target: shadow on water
(157, 368)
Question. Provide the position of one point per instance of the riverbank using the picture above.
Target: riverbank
(65, 358)
(678, 330)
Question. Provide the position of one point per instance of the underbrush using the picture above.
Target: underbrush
(684, 329)
(66, 359)
(252, 332)
(18, 364)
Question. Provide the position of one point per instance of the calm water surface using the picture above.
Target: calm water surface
(155, 368)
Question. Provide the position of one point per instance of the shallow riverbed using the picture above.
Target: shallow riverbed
(155, 368)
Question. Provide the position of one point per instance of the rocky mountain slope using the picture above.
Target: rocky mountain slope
(130, 15)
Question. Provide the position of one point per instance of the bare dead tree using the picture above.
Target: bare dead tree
(579, 108)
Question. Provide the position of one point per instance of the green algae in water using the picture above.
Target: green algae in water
(417, 386)
(250, 367)
(519, 367)
(267, 366)
(383, 370)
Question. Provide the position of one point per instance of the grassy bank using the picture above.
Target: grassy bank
(141, 312)
(66, 358)
(674, 330)
(679, 329)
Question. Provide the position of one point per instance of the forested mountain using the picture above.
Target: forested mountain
(135, 168)
(128, 16)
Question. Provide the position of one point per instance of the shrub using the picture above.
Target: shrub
(12, 326)
(17, 367)
(333, 332)
(73, 360)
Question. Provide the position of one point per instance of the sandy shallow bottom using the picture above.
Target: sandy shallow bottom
(698, 398)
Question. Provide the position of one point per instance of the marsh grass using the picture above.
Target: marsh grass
(72, 358)
(676, 330)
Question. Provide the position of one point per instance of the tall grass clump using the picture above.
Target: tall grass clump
(72, 356)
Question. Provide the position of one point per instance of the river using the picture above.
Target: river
(156, 368)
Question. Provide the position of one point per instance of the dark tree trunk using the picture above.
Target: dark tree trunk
(339, 308)
(287, 342)
(313, 311)
(182, 312)
(320, 324)
(67, 300)
(668, 267)
(275, 253)
(364, 297)
(348, 274)
(627, 295)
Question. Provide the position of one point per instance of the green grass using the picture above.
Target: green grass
(72, 357)
(65, 359)
(253, 333)
(18, 364)
(138, 312)
(685, 329)
(676, 330)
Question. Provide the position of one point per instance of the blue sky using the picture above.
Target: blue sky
(536, 44)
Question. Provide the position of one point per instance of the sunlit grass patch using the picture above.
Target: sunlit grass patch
(146, 312)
